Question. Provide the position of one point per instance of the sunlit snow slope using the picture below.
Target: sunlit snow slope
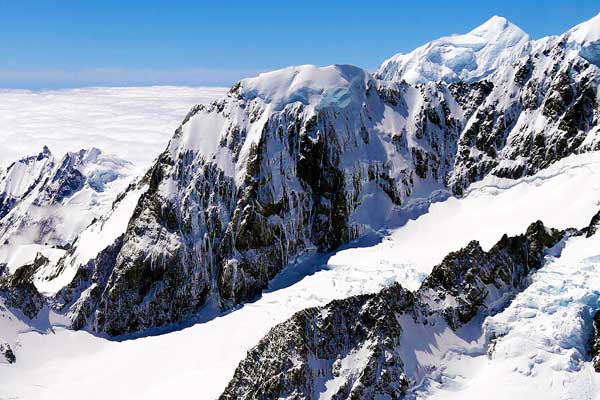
(467, 57)
(541, 350)
(197, 362)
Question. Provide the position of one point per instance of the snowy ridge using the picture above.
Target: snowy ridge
(52, 201)
(20, 178)
(469, 57)
(585, 38)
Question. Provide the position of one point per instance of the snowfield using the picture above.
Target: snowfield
(541, 336)
(135, 123)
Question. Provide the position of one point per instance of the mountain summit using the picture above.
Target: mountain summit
(466, 57)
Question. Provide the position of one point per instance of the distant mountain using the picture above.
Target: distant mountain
(46, 202)
(468, 58)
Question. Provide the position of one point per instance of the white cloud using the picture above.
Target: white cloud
(52, 78)
(132, 122)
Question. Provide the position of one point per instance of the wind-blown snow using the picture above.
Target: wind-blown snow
(586, 32)
(199, 361)
(303, 84)
(135, 123)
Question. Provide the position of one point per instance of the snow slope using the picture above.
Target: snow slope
(585, 38)
(541, 350)
(468, 57)
(94, 238)
(491, 207)
(198, 361)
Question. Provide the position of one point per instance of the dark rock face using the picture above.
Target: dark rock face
(66, 182)
(307, 350)
(198, 232)
(7, 353)
(467, 277)
(595, 350)
(298, 357)
(498, 139)
(594, 225)
(19, 291)
(93, 276)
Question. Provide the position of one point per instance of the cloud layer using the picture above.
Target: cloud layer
(132, 122)
(50, 78)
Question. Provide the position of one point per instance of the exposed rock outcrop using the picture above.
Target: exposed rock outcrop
(594, 225)
(7, 353)
(595, 350)
(361, 347)
(18, 289)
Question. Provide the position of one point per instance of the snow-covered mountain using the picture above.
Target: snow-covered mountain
(297, 162)
(469, 57)
(525, 103)
(236, 195)
(48, 202)
(306, 158)
(20, 178)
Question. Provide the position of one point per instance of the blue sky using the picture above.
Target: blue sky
(81, 43)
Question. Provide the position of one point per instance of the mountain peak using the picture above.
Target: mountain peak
(493, 27)
(306, 84)
(45, 153)
(470, 56)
